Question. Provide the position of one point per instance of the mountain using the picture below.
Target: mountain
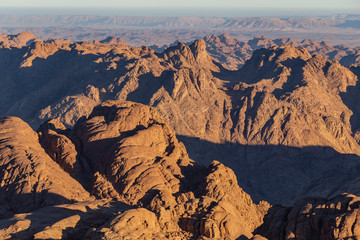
(233, 54)
(29, 177)
(145, 183)
(283, 111)
(313, 218)
(102, 165)
(138, 31)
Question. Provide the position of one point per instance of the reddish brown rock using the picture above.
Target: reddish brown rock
(312, 218)
(60, 148)
(30, 179)
(284, 102)
(132, 224)
(22, 39)
(137, 152)
(235, 214)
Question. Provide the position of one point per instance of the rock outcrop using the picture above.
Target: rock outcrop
(137, 152)
(20, 40)
(30, 179)
(312, 218)
(128, 157)
(297, 109)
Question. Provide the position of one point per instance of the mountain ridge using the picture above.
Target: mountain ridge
(282, 96)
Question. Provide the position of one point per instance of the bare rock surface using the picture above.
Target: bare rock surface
(233, 54)
(313, 218)
(133, 147)
(147, 186)
(22, 39)
(66, 221)
(114, 41)
(283, 111)
(133, 224)
(30, 179)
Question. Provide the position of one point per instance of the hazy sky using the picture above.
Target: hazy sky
(314, 4)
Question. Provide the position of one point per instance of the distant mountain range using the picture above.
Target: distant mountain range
(164, 30)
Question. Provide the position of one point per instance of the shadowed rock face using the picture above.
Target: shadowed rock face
(137, 152)
(337, 218)
(19, 40)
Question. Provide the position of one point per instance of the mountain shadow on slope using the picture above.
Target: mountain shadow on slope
(281, 174)
(351, 99)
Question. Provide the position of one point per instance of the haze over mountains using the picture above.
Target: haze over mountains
(137, 31)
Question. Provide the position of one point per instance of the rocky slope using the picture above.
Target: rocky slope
(145, 182)
(284, 111)
(336, 218)
(145, 185)
(29, 177)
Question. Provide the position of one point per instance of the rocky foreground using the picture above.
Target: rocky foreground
(121, 173)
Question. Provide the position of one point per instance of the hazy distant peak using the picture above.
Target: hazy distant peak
(114, 41)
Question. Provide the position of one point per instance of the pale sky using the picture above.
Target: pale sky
(312, 4)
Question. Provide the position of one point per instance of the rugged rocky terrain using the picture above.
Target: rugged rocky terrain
(122, 174)
(336, 218)
(284, 111)
(233, 53)
(125, 155)
(105, 166)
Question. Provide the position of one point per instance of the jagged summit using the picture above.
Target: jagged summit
(260, 42)
(233, 53)
(187, 56)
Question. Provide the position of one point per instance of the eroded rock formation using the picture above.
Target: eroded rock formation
(30, 179)
(299, 110)
(312, 218)
(134, 158)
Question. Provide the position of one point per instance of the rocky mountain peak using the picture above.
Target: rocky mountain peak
(190, 56)
(22, 39)
(198, 48)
